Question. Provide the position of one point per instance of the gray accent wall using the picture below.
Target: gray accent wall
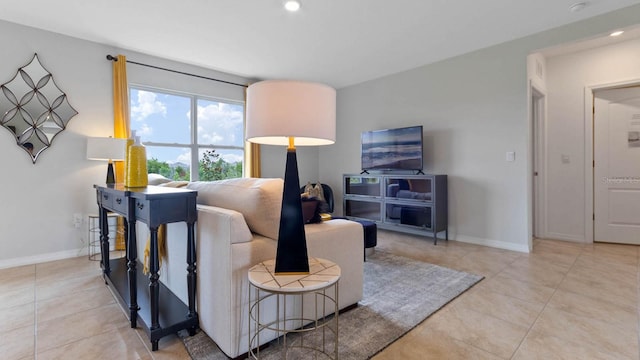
(474, 109)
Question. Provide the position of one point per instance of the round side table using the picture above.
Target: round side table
(299, 327)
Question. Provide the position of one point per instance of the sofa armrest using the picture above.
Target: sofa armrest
(238, 231)
(222, 226)
(340, 241)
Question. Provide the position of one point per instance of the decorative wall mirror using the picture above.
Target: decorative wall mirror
(33, 108)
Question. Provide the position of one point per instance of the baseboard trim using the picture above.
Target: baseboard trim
(41, 258)
(524, 248)
(565, 237)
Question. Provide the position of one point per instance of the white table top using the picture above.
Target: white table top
(322, 273)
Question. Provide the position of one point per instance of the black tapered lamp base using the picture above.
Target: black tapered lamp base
(111, 178)
(291, 255)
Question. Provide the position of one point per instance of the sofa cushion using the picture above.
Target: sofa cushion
(314, 190)
(157, 179)
(259, 200)
(233, 222)
(311, 210)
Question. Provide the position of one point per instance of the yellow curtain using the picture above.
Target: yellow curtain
(120, 107)
(251, 151)
(162, 248)
(252, 159)
(120, 124)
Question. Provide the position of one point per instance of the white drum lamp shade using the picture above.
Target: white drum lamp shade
(106, 149)
(279, 109)
(291, 113)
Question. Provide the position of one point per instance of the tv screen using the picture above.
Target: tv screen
(392, 149)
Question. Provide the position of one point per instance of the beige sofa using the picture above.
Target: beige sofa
(238, 221)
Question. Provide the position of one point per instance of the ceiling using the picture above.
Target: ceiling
(338, 42)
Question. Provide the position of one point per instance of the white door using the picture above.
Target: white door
(617, 165)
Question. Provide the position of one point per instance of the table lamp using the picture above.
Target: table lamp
(109, 149)
(291, 113)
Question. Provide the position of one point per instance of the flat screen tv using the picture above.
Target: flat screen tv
(392, 149)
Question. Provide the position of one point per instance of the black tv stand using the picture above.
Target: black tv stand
(364, 172)
(415, 204)
(419, 172)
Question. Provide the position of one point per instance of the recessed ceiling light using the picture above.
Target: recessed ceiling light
(616, 33)
(577, 6)
(292, 5)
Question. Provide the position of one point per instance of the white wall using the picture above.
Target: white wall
(273, 161)
(38, 200)
(568, 75)
(470, 113)
(537, 70)
(474, 108)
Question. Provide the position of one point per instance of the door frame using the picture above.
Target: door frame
(589, 105)
(538, 125)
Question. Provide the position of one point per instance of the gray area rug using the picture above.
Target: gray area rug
(399, 293)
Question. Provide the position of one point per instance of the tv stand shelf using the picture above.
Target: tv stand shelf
(416, 204)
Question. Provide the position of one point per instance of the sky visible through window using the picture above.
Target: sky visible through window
(166, 118)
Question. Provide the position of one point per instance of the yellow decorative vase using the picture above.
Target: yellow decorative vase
(136, 169)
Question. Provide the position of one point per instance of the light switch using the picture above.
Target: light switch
(511, 156)
(565, 158)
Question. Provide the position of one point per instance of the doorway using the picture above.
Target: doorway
(616, 165)
(538, 114)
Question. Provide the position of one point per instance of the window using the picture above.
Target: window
(183, 132)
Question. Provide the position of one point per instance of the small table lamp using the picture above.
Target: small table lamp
(110, 149)
(291, 113)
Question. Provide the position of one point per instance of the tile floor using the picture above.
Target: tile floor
(563, 301)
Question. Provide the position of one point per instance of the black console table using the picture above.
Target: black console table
(147, 299)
